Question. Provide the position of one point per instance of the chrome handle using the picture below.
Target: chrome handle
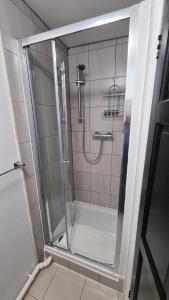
(66, 161)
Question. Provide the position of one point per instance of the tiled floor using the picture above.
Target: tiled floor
(59, 283)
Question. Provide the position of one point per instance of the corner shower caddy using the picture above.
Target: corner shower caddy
(115, 92)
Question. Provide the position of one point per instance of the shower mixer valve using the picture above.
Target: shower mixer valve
(102, 135)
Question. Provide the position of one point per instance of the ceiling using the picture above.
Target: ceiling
(100, 33)
(57, 13)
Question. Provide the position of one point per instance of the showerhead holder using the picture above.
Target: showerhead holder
(80, 76)
(80, 81)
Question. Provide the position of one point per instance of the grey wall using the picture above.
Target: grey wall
(99, 183)
(16, 21)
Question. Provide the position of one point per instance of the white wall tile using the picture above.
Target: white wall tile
(121, 82)
(74, 60)
(97, 89)
(103, 166)
(118, 124)
(121, 59)
(52, 149)
(82, 195)
(26, 25)
(74, 95)
(115, 185)
(79, 162)
(32, 192)
(114, 201)
(123, 40)
(9, 43)
(46, 87)
(21, 121)
(39, 116)
(116, 165)
(102, 69)
(10, 19)
(95, 145)
(27, 158)
(98, 122)
(43, 152)
(76, 126)
(104, 44)
(14, 76)
(82, 180)
(36, 219)
(100, 199)
(117, 143)
(47, 120)
(102, 63)
(77, 141)
(100, 183)
(79, 49)
(55, 180)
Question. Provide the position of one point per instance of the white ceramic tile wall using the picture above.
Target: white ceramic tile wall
(16, 21)
(98, 184)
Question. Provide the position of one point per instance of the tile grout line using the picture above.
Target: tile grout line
(50, 281)
(27, 294)
(83, 289)
(89, 123)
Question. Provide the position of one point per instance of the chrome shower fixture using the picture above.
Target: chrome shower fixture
(80, 81)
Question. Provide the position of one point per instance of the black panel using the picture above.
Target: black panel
(165, 81)
(147, 288)
(157, 235)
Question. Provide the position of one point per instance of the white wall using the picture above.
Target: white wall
(17, 251)
(16, 21)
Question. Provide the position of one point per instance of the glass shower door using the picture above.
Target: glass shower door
(61, 87)
(49, 136)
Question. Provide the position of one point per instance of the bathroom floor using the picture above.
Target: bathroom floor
(59, 283)
(93, 232)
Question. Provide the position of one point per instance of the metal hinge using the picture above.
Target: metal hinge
(159, 45)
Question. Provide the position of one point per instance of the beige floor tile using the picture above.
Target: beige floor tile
(96, 291)
(121, 296)
(65, 285)
(39, 287)
(28, 297)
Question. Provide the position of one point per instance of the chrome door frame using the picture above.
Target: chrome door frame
(26, 69)
(58, 117)
(78, 26)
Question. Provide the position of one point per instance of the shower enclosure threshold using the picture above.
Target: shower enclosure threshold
(93, 233)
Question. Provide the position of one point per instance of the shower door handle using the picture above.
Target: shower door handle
(66, 161)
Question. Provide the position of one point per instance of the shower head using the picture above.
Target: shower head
(80, 67)
(80, 75)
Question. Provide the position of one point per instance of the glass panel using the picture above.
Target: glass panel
(147, 289)
(62, 81)
(47, 138)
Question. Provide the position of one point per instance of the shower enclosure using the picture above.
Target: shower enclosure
(81, 123)
(47, 69)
